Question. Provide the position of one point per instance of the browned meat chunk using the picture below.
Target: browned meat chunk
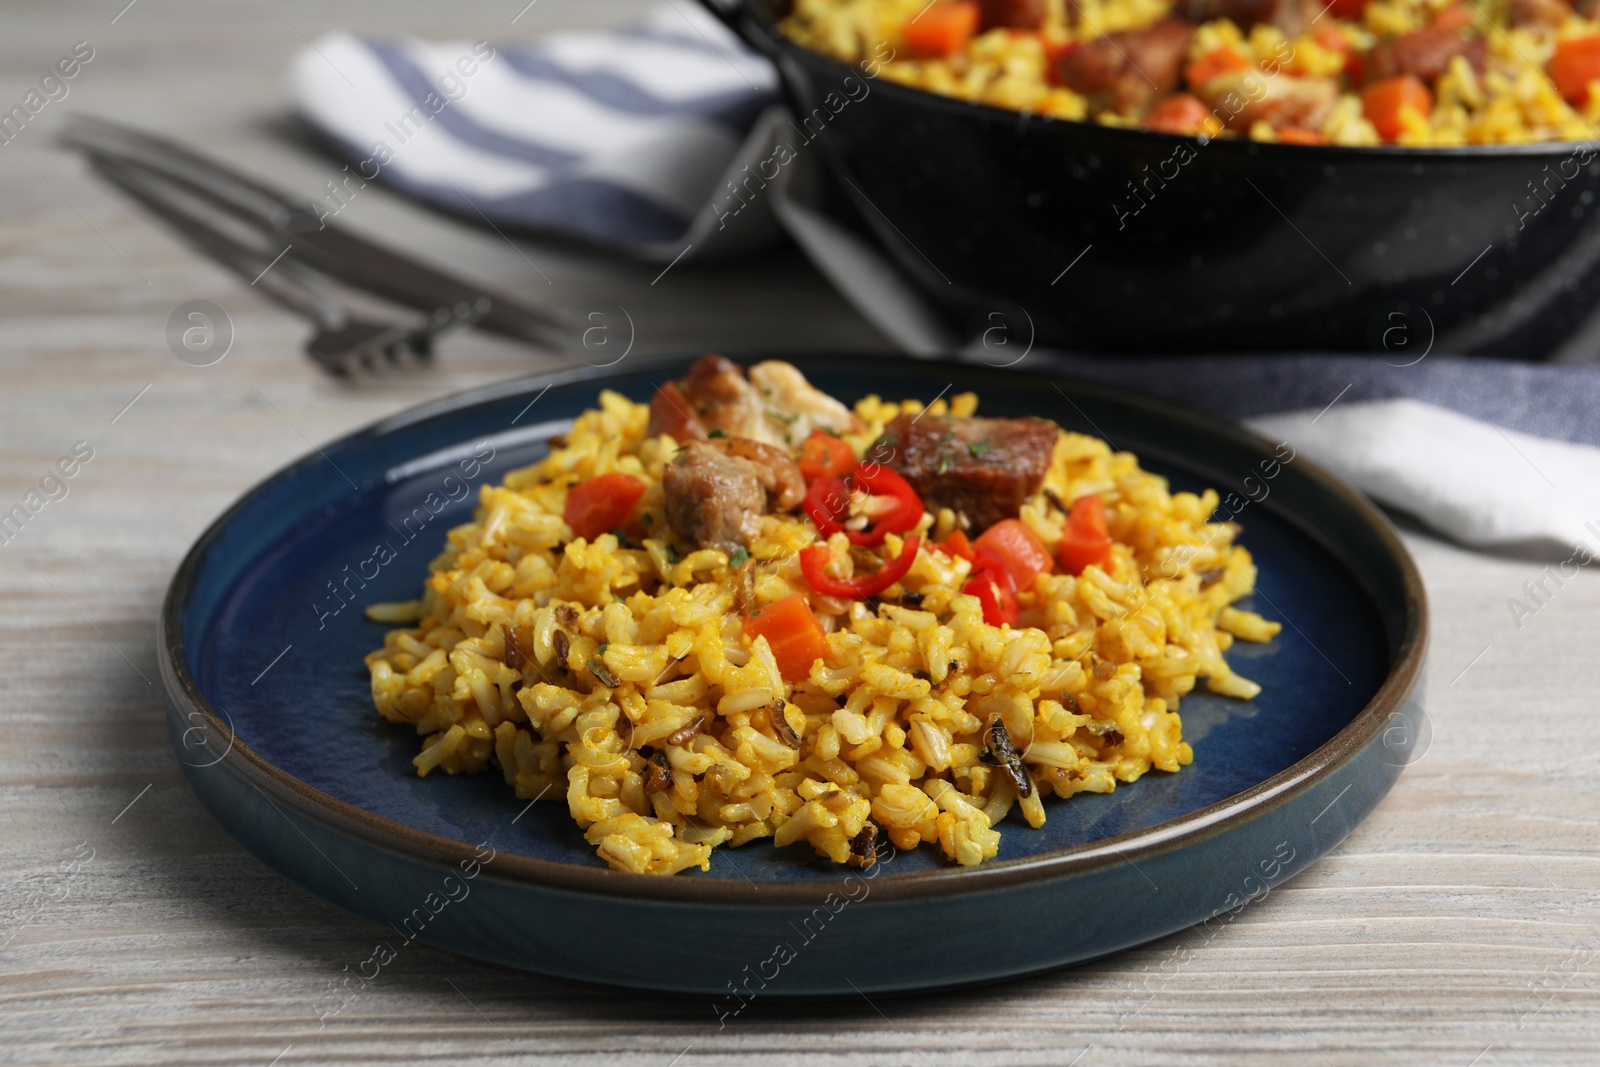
(1242, 98)
(774, 405)
(717, 490)
(1290, 16)
(1126, 72)
(1016, 14)
(1426, 53)
(714, 396)
(981, 468)
(671, 414)
(774, 471)
(711, 500)
(1539, 12)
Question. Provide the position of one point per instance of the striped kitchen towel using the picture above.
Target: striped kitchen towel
(619, 137)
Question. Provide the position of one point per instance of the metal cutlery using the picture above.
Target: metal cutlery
(238, 221)
(344, 341)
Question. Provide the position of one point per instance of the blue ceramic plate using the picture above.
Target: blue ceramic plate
(263, 636)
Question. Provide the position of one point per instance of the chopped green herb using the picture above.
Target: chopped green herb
(719, 432)
(646, 519)
(672, 556)
(602, 649)
(944, 464)
(738, 558)
(978, 448)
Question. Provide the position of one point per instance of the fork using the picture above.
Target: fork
(344, 341)
(278, 224)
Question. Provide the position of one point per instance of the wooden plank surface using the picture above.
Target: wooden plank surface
(1459, 925)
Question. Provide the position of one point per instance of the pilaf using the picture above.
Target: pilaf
(841, 652)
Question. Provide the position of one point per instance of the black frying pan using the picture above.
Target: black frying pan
(1228, 245)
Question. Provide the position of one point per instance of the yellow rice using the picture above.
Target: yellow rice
(1512, 101)
(1087, 683)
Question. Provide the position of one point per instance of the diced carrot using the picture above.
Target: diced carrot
(1087, 538)
(1330, 38)
(1575, 63)
(824, 455)
(1386, 103)
(792, 632)
(943, 29)
(958, 544)
(1179, 113)
(1053, 55)
(1216, 62)
(1298, 135)
(1019, 550)
(601, 504)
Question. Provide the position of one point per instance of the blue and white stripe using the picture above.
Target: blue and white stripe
(621, 138)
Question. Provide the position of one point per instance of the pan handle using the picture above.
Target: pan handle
(731, 14)
(724, 10)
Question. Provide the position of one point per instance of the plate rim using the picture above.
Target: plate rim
(1258, 801)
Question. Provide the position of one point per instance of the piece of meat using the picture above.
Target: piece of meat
(771, 466)
(1013, 14)
(798, 406)
(1126, 72)
(1425, 53)
(711, 499)
(1280, 102)
(714, 395)
(671, 414)
(717, 490)
(1539, 12)
(1290, 16)
(774, 405)
(983, 469)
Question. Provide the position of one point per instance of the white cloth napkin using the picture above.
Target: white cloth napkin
(1468, 479)
(638, 140)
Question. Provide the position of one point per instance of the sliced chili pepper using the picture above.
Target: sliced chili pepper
(814, 562)
(878, 480)
(827, 503)
(994, 587)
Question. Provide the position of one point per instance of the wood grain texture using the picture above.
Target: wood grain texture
(1459, 925)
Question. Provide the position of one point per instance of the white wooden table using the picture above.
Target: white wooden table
(1459, 925)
